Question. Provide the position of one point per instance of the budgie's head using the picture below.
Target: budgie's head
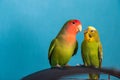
(91, 34)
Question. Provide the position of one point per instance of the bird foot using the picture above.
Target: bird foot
(58, 65)
(78, 64)
(67, 65)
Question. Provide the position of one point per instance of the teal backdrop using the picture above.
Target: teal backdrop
(28, 26)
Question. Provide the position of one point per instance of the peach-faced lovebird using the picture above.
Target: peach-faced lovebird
(64, 45)
(91, 50)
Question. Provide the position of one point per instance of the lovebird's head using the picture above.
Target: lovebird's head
(73, 26)
(91, 34)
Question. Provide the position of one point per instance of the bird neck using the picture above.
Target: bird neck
(71, 30)
(69, 38)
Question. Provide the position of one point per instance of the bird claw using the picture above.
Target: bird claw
(78, 64)
(67, 65)
(58, 65)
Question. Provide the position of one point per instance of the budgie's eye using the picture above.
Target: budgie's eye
(92, 30)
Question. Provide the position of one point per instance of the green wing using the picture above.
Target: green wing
(76, 48)
(51, 49)
(100, 54)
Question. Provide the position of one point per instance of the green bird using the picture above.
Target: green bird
(91, 50)
(64, 45)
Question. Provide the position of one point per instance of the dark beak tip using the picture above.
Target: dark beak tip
(90, 36)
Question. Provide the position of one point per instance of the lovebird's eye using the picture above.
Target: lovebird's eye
(73, 22)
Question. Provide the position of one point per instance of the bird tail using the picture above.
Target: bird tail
(94, 76)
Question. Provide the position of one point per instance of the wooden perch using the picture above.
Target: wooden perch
(57, 73)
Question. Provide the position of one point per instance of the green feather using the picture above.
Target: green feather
(91, 50)
(60, 52)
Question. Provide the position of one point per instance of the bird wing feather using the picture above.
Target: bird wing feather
(100, 54)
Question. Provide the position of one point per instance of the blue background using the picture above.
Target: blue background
(28, 26)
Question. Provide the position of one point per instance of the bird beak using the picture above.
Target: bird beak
(80, 28)
(85, 31)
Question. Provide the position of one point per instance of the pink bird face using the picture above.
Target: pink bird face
(74, 26)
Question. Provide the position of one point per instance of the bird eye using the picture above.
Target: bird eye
(92, 30)
(73, 22)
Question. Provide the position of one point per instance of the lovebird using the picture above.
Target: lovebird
(64, 45)
(91, 50)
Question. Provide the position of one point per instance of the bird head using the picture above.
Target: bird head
(73, 26)
(91, 34)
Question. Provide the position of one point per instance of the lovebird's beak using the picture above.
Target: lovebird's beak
(80, 28)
